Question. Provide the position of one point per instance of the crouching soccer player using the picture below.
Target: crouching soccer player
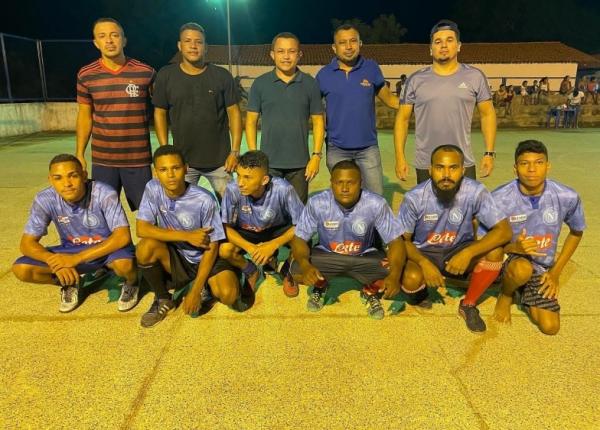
(345, 218)
(536, 208)
(93, 229)
(180, 230)
(438, 214)
(259, 213)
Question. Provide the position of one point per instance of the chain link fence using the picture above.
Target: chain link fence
(41, 70)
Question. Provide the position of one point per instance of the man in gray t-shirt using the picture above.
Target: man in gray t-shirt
(443, 96)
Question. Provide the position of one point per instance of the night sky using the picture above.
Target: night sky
(151, 25)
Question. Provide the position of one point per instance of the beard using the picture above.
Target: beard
(446, 196)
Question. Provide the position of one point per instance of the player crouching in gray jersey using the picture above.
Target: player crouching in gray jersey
(536, 208)
(93, 229)
(180, 228)
(259, 212)
(345, 219)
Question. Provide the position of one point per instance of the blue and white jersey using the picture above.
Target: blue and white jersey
(278, 206)
(195, 209)
(90, 221)
(434, 224)
(347, 231)
(541, 216)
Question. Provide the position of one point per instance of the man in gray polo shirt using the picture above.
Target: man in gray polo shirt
(443, 96)
(286, 98)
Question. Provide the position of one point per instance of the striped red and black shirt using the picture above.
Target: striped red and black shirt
(120, 135)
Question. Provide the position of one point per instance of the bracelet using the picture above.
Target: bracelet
(236, 153)
(490, 154)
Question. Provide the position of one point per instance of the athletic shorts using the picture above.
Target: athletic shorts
(440, 256)
(365, 268)
(265, 235)
(529, 292)
(126, 253)
(183, 272)
(131, 179)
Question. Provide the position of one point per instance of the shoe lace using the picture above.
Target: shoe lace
(374, 304)
(67, 294)
(316, 295)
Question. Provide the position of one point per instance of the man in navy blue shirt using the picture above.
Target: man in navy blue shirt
(349, 84)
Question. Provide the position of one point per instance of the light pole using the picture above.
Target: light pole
(228, 36)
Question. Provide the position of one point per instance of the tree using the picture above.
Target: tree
(383, 29)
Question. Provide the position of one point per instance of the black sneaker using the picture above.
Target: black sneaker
(470, 314)
(157, 312)
(374, 307)
(426, 303)
(316, 300)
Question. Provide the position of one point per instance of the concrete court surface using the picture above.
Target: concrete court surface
(278, 366)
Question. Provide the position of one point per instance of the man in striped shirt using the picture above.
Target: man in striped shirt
(112, 93)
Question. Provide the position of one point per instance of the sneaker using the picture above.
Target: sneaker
(290, 287)
(240, 305)
(69, 298)
(316, 300)
(128, 298)
(426, 303)
(470, 314)
(374, 307)
(157, 312)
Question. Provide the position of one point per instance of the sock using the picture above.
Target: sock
(484, 275)
(249, 269)
(155, 277)
(416, 296)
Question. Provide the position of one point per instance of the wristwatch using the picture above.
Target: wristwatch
(490, 154)
(236, 153)
(318, 154)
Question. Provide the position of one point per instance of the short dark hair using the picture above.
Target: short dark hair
(167, 150)
(65, 158)
(345, 27)
(284, 35)
(192, 26)
(107, 19)
(449, 148)
(346, 165)
(445, 24)
(253, 160)
(530, 145)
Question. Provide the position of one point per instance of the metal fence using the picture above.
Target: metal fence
(41, 70)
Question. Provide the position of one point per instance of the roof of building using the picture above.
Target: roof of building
(414, 53)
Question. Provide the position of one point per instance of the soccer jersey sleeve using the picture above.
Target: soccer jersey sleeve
(482, 88)
(408, 96)
(486, 211)
(574, 217)
(408, 215)
(307, 224)
(293, 204)
(230, 206)
(83, 94)
(210, 218)
(39, 219)
(385, 223)
(148, 210)
(159, 93)
(254, 98)
(316, 102)
(112, 210)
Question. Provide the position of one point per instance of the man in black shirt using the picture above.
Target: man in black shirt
(201, 100)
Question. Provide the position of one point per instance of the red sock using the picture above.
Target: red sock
(484, 275)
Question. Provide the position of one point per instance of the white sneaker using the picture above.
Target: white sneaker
(128, 298)
(69, 298)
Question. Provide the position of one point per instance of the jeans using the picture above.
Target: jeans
(368, 160)
(296, 178)
(218, 178)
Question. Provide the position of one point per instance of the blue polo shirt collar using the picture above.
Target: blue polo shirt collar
(336, 66)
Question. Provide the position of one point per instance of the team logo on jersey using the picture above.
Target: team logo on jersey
(91, 220)
(365, 83)
(246, 209)
(431, 217)
(514, 219)
(463, 86)
(347, 247)
(550, 216)
(331, 225)
(185, 220)
(455, 216)
(444, 238)
(267, 215)
(132, 90)
(359, 227)
(63, 219)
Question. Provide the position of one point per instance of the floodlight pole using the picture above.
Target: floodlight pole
(229, 36)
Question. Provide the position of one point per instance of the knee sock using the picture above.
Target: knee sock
(155, 277)
(484, 275)
(417, 296)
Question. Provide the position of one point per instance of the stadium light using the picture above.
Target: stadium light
(228, 31)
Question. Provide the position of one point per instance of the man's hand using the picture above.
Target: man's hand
(550, 285)
(263, 252)
(191, 301)
(527, 245)
(459, 263)
(67, 276)
(200, 237)
(81, 159)
(391, 287)
(61, 261)
(310, 274)
(312, 168)
(487, 165)
(431, 274)
(231, 162)
(401, 168)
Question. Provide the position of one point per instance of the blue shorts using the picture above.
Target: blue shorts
(126, 253)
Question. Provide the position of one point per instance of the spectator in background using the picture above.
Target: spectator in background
(510, 95)
(544, 90)
(592, 90)
(565, 86)
(524, 93)
(574, 100)
(534, 92)
(500, 95)
(400, 84)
